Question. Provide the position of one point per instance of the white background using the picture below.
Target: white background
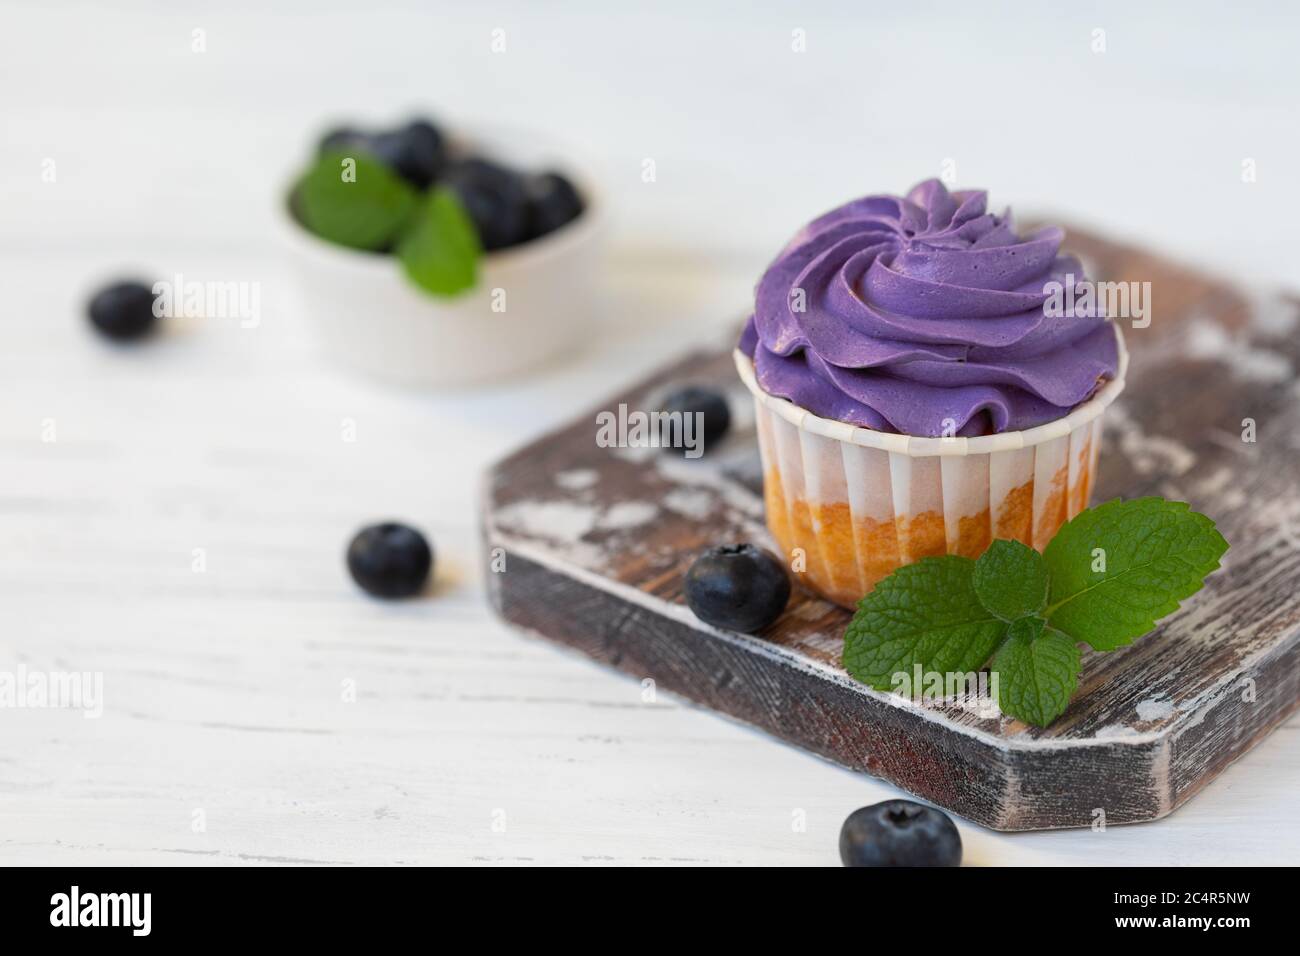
(223, 689)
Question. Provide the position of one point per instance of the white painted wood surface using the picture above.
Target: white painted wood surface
(223, 689)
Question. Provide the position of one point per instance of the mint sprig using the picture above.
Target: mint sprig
(1105, 579)
(354, 200)
(440, 251)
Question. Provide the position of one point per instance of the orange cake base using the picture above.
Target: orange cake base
(842, 558)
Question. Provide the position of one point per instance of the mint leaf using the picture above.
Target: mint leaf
(440, 253)
(925, 613)
(1037, 670)
(1105, 579)
(365, 211)
(1117, 568)
(1011, 580)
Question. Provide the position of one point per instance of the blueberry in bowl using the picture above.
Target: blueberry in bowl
(553, 201)
(433, 258)
(506, 205)
(495, 199)
(416, 151)
(341, 138)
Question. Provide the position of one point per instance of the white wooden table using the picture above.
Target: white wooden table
(226, 690)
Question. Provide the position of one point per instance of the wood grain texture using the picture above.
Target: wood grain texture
(597, 541)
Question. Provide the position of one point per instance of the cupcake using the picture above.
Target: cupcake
(915, 394)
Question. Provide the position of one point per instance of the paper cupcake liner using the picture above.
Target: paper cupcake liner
(850, 505)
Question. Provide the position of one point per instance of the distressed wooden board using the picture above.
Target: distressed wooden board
(597, 540)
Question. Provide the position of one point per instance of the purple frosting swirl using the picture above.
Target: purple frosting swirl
(925, 315)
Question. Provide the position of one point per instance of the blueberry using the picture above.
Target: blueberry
(899, 833)
(495, 199)
(341, 139)
(390, 560)
(738, 587)
(552, 202)
(124, 310)
(697, 400)
(415, 152)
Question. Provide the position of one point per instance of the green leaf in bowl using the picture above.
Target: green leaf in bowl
(354, 200)
(440, 251)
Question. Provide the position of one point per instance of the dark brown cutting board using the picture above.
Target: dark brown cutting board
(595, 542)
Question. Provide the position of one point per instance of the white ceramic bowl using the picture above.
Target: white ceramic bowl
(374, 320)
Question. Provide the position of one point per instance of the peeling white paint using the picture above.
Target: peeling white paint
(1148, 453)
(1206, 339)
(579, 479)
(1273, 312)
(1118, 732)
(694, 503)
(627, 514)
(1155, 708)
(564, 522)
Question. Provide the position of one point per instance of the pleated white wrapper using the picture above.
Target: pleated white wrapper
(859, 503)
